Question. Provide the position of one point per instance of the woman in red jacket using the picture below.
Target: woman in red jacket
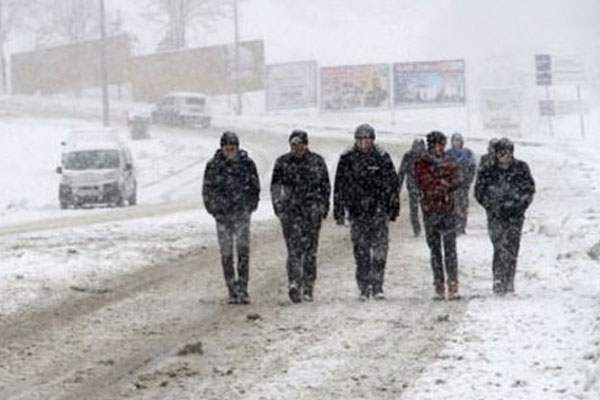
(437, 177)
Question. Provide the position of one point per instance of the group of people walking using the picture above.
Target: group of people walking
(366, 195)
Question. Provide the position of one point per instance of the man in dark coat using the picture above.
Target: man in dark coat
(230, 192)
(300, 192)
(438, 177)
(505, 189)
(407, 169)
(466, 164)
(366, 192)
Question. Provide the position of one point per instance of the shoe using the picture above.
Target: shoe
(510, 287)
(379, 296)
(363, 296)
(244, 298)
(294, 293)
(440, 292)
(453, 291)
(232, 299)
(499, 288)
(308, 297)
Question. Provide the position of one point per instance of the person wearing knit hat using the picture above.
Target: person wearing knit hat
(465, 159)
(300, 192)
(230, 191)
(366, 193)
(437, 177)
(505, 188)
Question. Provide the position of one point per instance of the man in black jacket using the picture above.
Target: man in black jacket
(366, 191)
(300, 191)
(505, 189)
(231, 192)
(407, 169)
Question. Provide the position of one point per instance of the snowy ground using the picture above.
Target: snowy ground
(538, 344)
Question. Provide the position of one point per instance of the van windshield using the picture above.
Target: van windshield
(195, 101)
(92, 159)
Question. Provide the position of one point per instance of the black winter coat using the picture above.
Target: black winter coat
(230, 186)
(505, 193)
(366, 184)
(300, 186)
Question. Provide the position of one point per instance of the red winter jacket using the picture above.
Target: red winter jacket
(437, 178)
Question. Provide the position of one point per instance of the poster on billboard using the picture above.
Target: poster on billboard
(291, 85)
(429, 84)
(355, 88)
(501, 110)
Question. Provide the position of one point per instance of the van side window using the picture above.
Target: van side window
(195, 101)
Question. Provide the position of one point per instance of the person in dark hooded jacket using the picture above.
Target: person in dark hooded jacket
(438, 177)
(366, 192)
(230, 192)
(505, 189)
(466, 164)
(300, 192)
(407, 169)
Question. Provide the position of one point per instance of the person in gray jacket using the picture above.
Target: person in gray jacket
(407, 169)
(230, 192)
(300, 192)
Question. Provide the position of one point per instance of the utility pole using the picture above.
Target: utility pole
(238, 92)
(103, 67)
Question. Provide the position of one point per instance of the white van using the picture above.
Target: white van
(182, 108)
(99, 170)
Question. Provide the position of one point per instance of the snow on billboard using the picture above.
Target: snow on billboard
(429, 84)
(355, 87)
(291, 85)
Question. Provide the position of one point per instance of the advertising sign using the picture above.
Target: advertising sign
(501, 110)
(429, 84)
(355, 87)
(291, 85)
(551, 70)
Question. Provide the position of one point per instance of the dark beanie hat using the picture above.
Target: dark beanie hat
(298, 137)
(364, 131)
(229, 137)
(504, 144)
(434, 137)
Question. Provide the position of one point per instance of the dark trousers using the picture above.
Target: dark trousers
(413, 202)
(301, 234)
(370, 242)
(506, 239)
(440, 229)
(461, 195)
(234, 230)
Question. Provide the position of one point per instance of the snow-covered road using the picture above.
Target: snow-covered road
(131, 285)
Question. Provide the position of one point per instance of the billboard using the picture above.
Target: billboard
(291, 85)
(70, 67)
(355, 87)
(429, 84)
(210, 70)
(501, 110)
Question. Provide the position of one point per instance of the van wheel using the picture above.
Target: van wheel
(133, 198)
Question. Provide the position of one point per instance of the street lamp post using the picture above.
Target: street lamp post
(103, 67)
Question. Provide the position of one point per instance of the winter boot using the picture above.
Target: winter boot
(499, 288)
(440, 292)
(232, 288)
(243, 296)
(307, 294)
(294, 293)
(453, 291)
(378, 293)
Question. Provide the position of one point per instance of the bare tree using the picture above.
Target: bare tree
(72, 21)
(176, 16)
(12, 17)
